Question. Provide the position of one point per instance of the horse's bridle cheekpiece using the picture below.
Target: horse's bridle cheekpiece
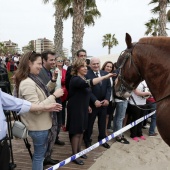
(124, 86)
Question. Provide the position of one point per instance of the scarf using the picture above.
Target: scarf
(53, 131)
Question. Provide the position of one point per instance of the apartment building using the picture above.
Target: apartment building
(43, 44)
(11, 47)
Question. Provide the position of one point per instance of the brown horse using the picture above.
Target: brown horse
(149, 60)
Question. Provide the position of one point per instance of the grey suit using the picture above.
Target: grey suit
(44, 76)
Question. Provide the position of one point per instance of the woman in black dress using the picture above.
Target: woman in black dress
(78, 105)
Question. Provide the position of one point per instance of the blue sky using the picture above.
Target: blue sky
(24, 20)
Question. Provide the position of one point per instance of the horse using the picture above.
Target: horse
(149, 60)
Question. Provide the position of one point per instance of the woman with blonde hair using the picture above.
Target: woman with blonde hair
(41, 125)
(78, 104)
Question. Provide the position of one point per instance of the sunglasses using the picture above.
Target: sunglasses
(60, 61)
(32, 52)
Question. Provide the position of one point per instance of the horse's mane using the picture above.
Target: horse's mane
(157, 41)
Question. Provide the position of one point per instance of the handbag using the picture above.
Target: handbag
(19, 130)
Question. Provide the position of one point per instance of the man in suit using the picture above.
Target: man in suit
(49, 61)
(99, 101)
(80, 54)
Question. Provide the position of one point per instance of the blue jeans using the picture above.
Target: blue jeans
(39, 140)
(119, 115)
(153, 119)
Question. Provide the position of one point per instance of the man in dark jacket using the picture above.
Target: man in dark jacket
(48, 58)
(99, 101)
(80, 54)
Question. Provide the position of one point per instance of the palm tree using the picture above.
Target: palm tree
(152, 27)
(66, 8)
(110, 41)
(162, 17)
(58, 37)
(84, 12)
(161, 9)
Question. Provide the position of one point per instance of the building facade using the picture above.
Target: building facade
(43, 44)
(11, 47)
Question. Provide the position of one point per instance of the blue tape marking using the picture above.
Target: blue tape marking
(62, 163)
(73, 157)
(66, 161)
(100, 142)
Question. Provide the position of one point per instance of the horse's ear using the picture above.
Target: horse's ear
(128, 40)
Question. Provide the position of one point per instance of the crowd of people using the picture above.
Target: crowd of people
(81, 90)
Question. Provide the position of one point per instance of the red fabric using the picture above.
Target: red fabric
(8, 66)
(151, 99)
(64, 97)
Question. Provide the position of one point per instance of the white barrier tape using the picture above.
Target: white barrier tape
(113, 135)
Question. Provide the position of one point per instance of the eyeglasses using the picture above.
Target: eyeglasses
(60, 61)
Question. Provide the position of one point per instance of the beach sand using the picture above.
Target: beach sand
(150, 154)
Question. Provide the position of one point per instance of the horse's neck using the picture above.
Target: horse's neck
(155, 70)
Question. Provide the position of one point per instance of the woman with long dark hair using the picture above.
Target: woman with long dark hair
(41, 125)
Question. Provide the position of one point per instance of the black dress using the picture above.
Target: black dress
(77, 107)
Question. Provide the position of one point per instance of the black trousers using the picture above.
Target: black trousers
(136, 113)
(4, 155)
(101, 114)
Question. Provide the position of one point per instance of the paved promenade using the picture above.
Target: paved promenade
(23, 161)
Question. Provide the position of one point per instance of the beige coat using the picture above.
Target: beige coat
(36, 121)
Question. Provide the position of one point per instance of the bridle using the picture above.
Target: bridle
(124, 86)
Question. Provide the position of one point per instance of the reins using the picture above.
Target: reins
(146, 105)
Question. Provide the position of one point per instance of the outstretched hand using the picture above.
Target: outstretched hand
(110, 75)
(59, 92)
(53, 107)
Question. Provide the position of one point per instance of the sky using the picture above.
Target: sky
(25, 20)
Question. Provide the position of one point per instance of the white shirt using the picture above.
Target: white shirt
(111, 82)
(65, 67)
(98, 73)
(8, 102)
(139, 99)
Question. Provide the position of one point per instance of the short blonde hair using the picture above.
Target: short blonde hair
(78, 62)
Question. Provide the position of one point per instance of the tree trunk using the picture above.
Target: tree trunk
(58, 37)
(78, 26)
(162, 18)
(109, 49)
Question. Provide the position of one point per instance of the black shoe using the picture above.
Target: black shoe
(58, 142)
(84, 156)
(49, 161)
(105, 145)
(79, 162)
(87, 144)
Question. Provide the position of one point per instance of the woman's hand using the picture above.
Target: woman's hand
(58, 93)
(53, 107)
(55, 74)
(89, 109)
(110, 75)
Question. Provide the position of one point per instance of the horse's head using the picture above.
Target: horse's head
(129, 75)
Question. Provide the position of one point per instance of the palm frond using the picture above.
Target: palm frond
(155, 10)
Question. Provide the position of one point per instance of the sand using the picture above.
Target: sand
(150, 154)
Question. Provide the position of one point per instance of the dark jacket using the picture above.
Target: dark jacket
(99, 92)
